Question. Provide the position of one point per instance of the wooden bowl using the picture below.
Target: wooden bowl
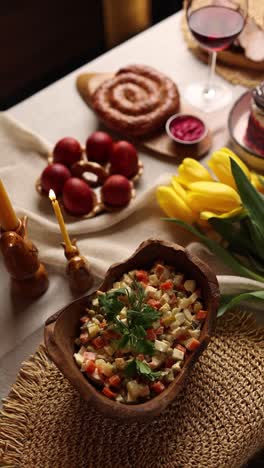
(63, 328)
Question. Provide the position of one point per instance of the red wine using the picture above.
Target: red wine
(215, 27)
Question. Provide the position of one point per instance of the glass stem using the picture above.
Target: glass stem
(209, 91)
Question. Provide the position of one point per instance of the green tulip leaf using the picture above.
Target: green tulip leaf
(250, 197)
(228, 302)
(218, 250)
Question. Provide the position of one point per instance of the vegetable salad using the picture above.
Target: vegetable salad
(135, 337)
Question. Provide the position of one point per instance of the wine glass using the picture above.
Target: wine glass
(215, 24)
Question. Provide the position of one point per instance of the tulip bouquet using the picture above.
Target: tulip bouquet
(224, 208)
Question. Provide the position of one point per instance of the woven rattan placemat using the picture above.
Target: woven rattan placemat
(216, 422)
(236, 69)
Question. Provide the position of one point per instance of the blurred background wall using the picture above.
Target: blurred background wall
(42, 41)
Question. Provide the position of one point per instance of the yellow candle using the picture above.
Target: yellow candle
(8, 218)
(61, 222)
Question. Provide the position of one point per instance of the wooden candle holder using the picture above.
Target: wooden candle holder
(78, 270)
(29, 277)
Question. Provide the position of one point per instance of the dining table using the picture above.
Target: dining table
(57, 111)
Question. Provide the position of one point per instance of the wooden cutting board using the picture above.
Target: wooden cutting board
(160, 143)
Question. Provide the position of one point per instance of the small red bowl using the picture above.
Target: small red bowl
(181, 120)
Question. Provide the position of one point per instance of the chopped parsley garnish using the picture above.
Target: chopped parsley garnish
(142, 369)
(140, 317)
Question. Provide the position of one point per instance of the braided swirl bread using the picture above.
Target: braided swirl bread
(137, 101)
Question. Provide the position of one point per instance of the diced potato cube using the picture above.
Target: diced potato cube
(117, 285)
(160, 346)
(93, 330)
(156, 361)
(120, 363)
(158, 295)
(123, 312)
(79, 359)
(183, 303)
(127, 279)
(188, 314)
(120, 399)
(170, 376)
(180, 318)
(178, 279)
(165, 308)
(156, 324)
(178, 331)
(197, 306)
(194, 333)
(136, 390)
(168, 320)
(153, 280)
(150, 291)
(109, 350)
(193, 297)
(190, 285)
(178, 354)
(95, 302)
(164, 299)
(177, 367)
(95, 320)
(105, 367)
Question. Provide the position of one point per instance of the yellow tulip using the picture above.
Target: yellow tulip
(256, 182)
(179, 190)
(212, 196)
(205, 215)
(173, 205)
(190, 171)
(220, 165)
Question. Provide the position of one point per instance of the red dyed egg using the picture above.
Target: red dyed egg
(124, 159)
(78, 197)
(54, 177)
(67, 151)
(99, 147)
(116, 191)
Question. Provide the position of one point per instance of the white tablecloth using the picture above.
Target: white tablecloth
(58, 111)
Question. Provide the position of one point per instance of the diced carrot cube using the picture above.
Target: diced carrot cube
(114, 381)
(159, 269)
(166, 285)
(142, 275)
(154, 303)
(111, 335)
(84, 338)
(90, 367)
(98, 342)
(159, 331)
(201, 314)
(151, 335)
(192, 344)
(108, 393)
(158, 387)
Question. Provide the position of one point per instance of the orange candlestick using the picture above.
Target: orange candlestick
(68, 245)
(8, 218)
